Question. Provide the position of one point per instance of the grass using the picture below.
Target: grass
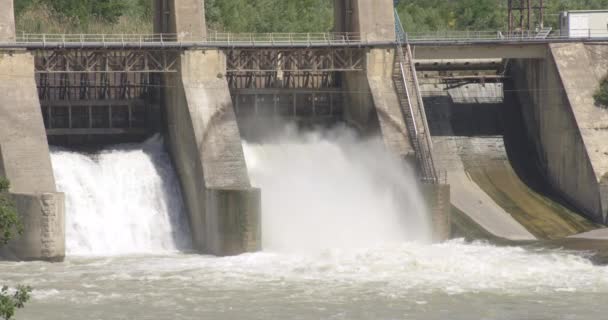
(41, 19)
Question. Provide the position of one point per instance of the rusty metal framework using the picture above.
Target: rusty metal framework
(94, 86)
(284, 80)
(96, 103)
(307, 59)
(525, 15)
(106, 61)
(290, 104)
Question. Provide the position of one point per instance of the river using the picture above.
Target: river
(345, 237)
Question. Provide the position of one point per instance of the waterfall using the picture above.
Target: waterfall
(122, 200)
(332, 190)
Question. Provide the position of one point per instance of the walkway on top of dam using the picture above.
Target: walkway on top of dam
(290, 40)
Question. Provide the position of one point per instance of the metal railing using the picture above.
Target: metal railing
(224, 39)
(221, 38)
(414, 110)
(500, 36)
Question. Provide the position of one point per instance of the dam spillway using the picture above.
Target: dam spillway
(330, 189)
(121, 200)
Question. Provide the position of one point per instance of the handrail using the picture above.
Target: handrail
(427, 133)
(406, 89)
(233, 40)
(423, 148)
(324, 37)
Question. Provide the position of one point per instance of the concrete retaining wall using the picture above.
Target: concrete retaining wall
(568, 130)
(206, 147)
(43, 220)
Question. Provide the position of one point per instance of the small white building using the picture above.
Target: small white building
(584, 23)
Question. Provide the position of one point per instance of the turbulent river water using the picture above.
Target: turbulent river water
(345, 237)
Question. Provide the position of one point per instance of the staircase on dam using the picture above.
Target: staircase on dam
(410, 100)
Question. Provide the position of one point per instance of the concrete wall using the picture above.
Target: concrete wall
(186, 18)
(25, 161)
(25, 152)
(206, 148)
(392, 122)
(373, 19)
(43, 235)
(569, 131)
(7, 21)
(371, 98)
(437, 197)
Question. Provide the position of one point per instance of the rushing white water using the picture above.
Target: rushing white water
(332, 190)
(345, 237)
(454, 280)
(122, 200)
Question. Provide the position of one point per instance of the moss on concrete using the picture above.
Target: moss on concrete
(543, 217)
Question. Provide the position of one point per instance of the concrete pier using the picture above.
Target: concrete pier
(371, 96)
(205, 145)
(437, 197)
(7, 21)
(24, 155)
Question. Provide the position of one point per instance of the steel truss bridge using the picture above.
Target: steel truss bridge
(88, 82)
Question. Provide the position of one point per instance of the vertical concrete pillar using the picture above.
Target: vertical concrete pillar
(186, 18)
(373, 19)
(7, 21)
(206, 148)
(371, 99)
(437, 198)
(25, 161)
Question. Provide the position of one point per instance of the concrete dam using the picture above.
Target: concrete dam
(503, 137)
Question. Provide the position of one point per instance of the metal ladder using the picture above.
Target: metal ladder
(412, 106)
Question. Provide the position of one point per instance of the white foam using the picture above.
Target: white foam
(332, 190)
(122, 200)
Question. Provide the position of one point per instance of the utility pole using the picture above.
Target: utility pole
(525, 15)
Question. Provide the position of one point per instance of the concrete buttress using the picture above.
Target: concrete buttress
(24, 155)
(371, 94)
(205, 141)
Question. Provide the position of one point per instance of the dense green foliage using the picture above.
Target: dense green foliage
(601, 95)
(10, 300)
(433, 15)
(277, 15)
(270, 15)
(10, 224)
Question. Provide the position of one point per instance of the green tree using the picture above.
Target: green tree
(601, 95)
(10, 300)
(10, 224)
